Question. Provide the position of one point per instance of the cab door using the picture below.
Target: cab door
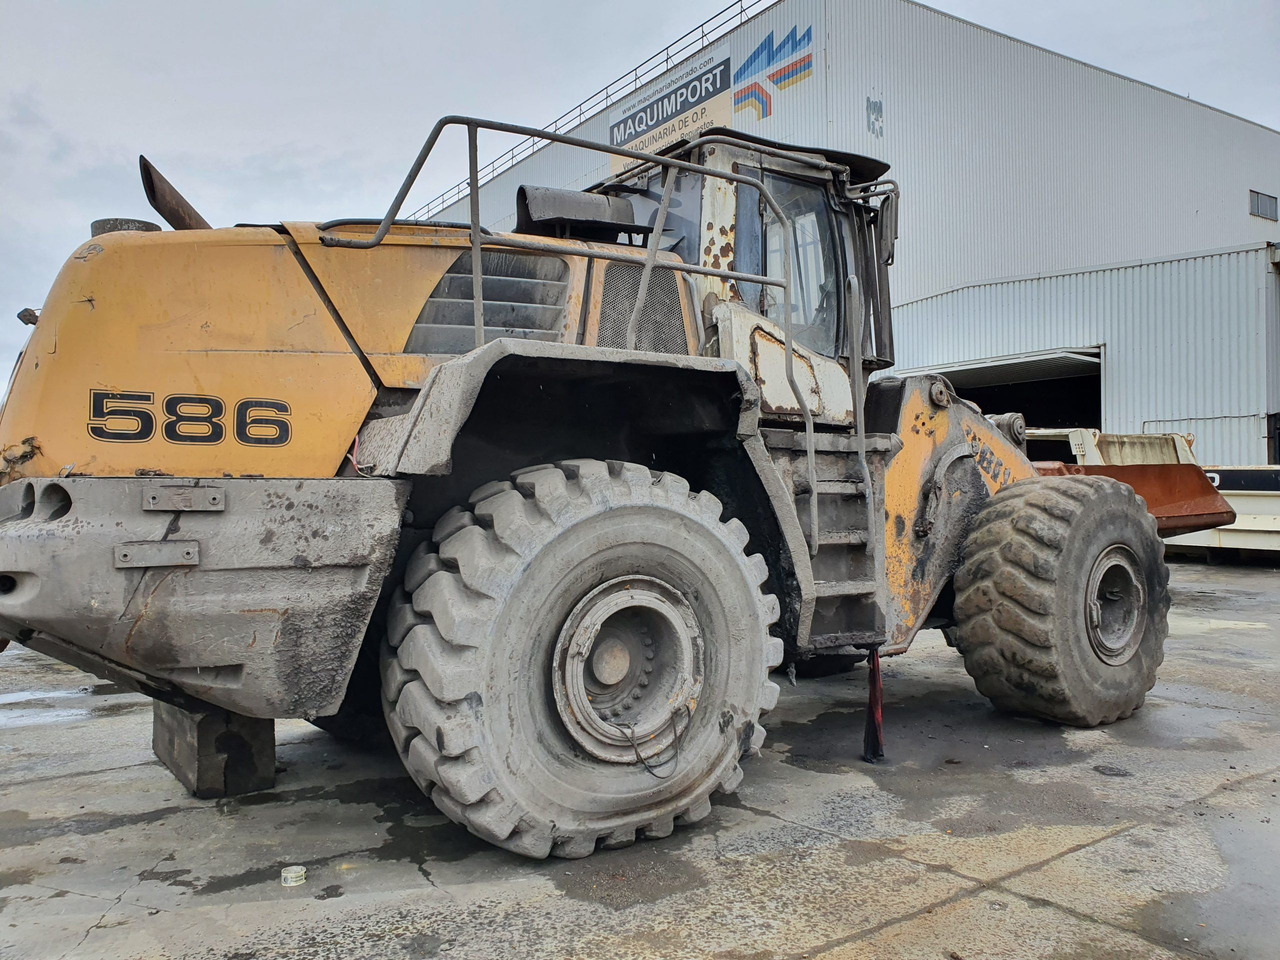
(751, 325)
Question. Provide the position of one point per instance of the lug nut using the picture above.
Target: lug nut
(644, 682)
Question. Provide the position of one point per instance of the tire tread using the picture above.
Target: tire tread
(1006, 626)
(431, 699)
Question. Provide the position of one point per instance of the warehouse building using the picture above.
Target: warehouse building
(1085, 248)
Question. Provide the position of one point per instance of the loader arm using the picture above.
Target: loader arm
(951, 460)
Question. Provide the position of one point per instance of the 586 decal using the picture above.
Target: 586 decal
(131, 417)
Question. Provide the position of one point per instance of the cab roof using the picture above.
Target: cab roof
(862, 169)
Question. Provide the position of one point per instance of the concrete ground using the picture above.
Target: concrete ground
(982, 836)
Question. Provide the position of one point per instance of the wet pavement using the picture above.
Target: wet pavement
(981, 836)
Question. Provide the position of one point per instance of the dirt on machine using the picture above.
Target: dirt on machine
(549, 504)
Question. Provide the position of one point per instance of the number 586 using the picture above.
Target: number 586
(128, 417)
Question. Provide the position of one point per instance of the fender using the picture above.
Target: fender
(513, 403)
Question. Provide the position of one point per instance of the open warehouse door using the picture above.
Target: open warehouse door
(1059, 388)
(1059, 393)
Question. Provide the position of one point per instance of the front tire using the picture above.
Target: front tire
(1062, 600)
(582, 660)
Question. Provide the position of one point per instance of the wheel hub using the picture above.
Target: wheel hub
(627, 668)
(1116, 605)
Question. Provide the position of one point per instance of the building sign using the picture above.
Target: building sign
(680, 109)
(772, 67)
(710, 92)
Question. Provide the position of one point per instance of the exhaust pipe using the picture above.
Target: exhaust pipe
(167, 201)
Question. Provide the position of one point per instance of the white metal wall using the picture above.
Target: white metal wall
(1185, 343)
(1016, 161)
(803, 121)
(1012, 159)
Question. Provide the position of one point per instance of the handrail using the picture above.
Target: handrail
(670, 165)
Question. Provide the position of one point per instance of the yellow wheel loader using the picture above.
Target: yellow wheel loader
(554, 502)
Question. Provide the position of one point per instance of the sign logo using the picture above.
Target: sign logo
(782, 65)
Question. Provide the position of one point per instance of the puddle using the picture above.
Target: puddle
(10, 719)
(26, 708)
(26, 696)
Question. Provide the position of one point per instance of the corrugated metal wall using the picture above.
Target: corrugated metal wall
(1016, 161)
(1185, 345)
(1012, 159)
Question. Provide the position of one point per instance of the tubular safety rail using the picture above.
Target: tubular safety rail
(650, 260)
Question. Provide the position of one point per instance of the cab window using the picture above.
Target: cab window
(815, 276)
(681, 229)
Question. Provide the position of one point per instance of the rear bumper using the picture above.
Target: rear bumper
(250, 594)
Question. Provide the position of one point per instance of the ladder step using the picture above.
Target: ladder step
(846, 538)
(842, 442)
(829, 643)
(845, 588)
(842, 488)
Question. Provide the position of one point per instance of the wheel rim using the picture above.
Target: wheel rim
(627, 669)
(1116, 605)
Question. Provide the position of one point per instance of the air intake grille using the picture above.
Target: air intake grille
(524, 297)
(661, 326)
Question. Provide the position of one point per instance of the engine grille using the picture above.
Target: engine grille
(661, 326)
(524, 296)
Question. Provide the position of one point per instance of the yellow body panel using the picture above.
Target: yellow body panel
(408, 370)
(380, 292)
(197, 353)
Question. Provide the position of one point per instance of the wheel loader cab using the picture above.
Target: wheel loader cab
(842, 222)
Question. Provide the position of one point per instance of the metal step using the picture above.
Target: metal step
(845, 643)
(843, 538)
(840, 442)
(842, 488)
(845, 588)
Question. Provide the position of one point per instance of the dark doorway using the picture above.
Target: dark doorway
(1061, 402)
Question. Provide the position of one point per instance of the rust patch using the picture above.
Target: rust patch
(760, 334)
(15, 456)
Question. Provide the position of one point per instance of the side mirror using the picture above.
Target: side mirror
(888, 227)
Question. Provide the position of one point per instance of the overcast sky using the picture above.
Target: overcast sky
(261, 112)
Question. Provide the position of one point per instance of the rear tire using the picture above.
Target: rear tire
(1062, 600)
(571, 619)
